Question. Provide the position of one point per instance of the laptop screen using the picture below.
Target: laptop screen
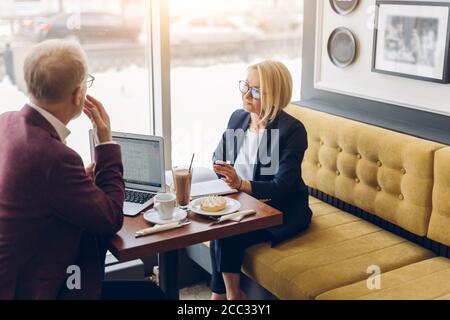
(143, 161)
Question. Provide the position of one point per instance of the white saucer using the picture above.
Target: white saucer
(152, 216)
(232, 207)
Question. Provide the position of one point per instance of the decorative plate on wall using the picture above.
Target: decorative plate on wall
(342, 47)
(343, 7)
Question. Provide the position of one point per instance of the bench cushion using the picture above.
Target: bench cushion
(425, 280)
(335, 251)
(440, 217)
(383, 172)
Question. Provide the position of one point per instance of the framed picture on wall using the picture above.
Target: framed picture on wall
(411, 39)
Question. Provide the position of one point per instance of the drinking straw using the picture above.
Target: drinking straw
(192, 161)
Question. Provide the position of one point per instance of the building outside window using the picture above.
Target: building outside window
(114, 36)
(212, 42)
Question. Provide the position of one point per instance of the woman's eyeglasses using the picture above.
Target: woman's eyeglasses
(244, 87)
(90, 80)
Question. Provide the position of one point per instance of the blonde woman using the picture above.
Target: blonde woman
(261, 154)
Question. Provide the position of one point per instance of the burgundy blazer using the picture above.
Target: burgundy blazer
(51, 214)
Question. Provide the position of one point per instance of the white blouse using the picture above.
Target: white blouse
(247, 157)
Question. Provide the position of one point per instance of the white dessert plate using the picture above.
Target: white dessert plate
(232, 206)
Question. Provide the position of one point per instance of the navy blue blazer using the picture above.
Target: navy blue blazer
(277, 174)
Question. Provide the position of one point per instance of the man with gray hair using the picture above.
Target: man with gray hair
(53, 211)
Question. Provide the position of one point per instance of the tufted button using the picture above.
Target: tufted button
(358, 156)
(357, 180)
(319, 165)
(322, 143)
(401, 197)
(378, 188)
(338, 173)
(340, 149)
(379, 164)
(403, 171)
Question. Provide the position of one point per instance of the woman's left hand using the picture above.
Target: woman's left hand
(231, 177)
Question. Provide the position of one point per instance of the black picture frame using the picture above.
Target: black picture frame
(445, 79)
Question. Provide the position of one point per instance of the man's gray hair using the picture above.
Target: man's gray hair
(54, 69)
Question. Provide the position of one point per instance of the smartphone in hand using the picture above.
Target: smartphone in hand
(222, 163)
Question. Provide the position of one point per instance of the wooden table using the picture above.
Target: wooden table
(124, 246)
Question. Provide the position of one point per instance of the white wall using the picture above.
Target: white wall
(357, 79)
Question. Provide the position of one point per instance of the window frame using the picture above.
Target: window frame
(159, 74)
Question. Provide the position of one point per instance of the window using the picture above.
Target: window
(112, 32)
(212, 44)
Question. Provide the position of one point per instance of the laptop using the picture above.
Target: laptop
(144, 172)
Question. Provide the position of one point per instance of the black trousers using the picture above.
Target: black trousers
(227, 255)
(131, 290)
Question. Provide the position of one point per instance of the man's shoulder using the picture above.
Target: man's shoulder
(8, 116)
(63, 153)
(45, 146)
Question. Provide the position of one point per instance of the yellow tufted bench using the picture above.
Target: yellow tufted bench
(428, 279)
(387, 174)
(425, 280)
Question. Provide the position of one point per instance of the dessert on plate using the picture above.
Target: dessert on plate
(213, 204)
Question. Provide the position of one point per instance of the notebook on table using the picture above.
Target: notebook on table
(205, 183)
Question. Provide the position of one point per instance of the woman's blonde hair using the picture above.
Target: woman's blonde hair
(276, 88)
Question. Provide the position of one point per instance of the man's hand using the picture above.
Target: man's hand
(99, 118)
(90, 171)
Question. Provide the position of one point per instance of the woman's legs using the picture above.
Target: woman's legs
(217, 284)
(232, 284)
(218, 297)
(226, 259)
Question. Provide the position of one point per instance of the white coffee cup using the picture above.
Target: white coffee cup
(165, 204)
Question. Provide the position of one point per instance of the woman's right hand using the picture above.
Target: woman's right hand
(101, 124)
(229, 173)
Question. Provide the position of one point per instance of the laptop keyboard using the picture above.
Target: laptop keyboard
(137, 197)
